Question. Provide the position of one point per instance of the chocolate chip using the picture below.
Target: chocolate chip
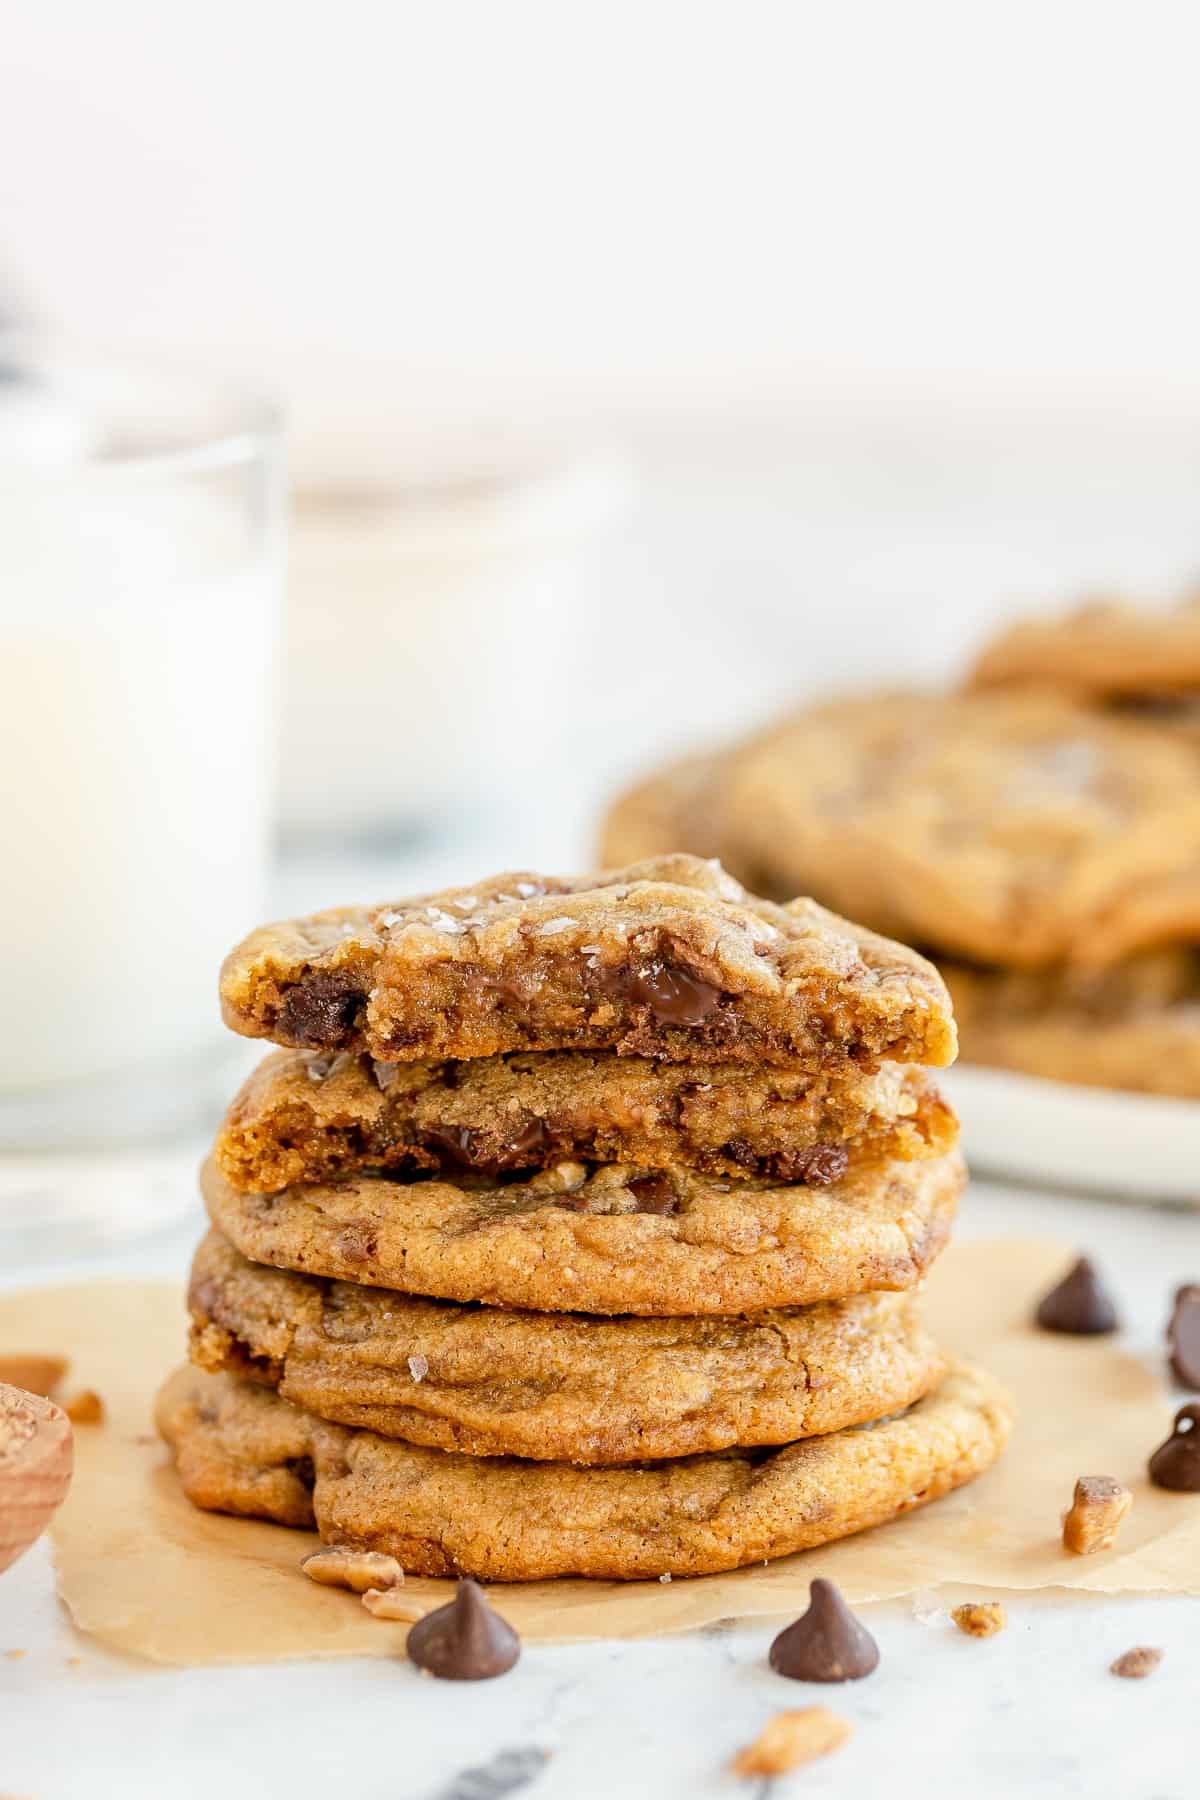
(483, 1153)
(1176, 1464)
(826, 1643)
(1183, 1336)
(465, 1641)
(654, 1194)
(454, 1141)
(673, 996)
(1080, 1304)
(356, 1242)
(818, 1166)
(319, 1013)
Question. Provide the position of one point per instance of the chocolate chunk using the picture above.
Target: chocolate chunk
(455, 1143)
(673, 996)
(1176, 1464)
(465, 1641)
(826, 1643)
(1080, 1304)
(818, 1166)
(527, 1145)
(319, 1013)
(654, 1194)
(484, 1153)
(1183, 1336)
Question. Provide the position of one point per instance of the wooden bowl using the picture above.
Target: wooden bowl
(35, 1468)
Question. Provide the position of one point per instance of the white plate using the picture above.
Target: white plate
(1140, 1147)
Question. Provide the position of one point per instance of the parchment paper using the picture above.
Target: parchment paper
(143, 1571)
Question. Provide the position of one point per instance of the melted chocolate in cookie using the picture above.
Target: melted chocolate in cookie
(654, 1194)
(320, 1012)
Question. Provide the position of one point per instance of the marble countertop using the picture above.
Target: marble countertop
(1033, 1710)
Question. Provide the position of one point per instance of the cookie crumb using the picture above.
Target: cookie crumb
(1099, 1504)
(1136, 1664)
(85, 1408)
(393, 1603)
(980, 1619)
(792, 1738)
(358, 1570)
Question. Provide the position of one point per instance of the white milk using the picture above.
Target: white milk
(137, 624)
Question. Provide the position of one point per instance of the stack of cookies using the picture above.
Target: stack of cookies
(575, 1231)
(1040, 843)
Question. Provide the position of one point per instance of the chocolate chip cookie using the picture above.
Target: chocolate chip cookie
(611, 1239)
(558, 1386)
(1016, 828)
(1135, 1025)
(316, 1116)
(666, 959)
(1107, 649)
(241, 1449)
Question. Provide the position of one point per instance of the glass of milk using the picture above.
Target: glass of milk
(140, 562)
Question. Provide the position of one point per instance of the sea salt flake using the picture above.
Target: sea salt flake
(552, 927)
(443, 922)
(526, 890)
(664, 1578)
(418, 1367)
(390, 918)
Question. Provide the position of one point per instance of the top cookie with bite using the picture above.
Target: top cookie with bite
(669, 958)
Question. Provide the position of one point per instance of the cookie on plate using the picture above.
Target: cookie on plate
(1107, 649)
(1016, 828)
(561, 1386)
(241, 1449)
(1135, 1025)
(611, 1239)
(667, 959)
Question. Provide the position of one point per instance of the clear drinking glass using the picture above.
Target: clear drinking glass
(140, 575)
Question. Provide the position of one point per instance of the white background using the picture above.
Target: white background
(407, 215)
